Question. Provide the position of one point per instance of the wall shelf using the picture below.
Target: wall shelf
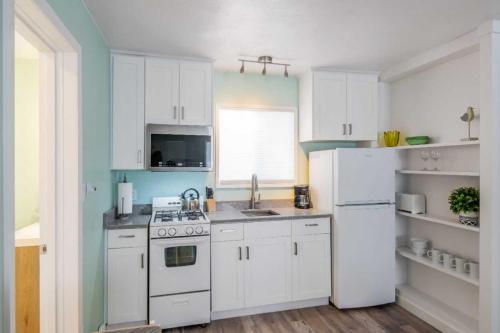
(435, 312)
(439, 173)
(408, 253)
(439, 220)
(439, 145)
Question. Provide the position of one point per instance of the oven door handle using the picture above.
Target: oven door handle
(180, 241)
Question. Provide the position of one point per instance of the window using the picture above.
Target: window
(260, 141)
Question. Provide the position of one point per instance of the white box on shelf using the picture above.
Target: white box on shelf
(411, 203)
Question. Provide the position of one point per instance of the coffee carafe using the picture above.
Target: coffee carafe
(302, 198)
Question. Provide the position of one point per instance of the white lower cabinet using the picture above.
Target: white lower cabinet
(311, 266)
(268, 271)
(126, 277)
(266, 263)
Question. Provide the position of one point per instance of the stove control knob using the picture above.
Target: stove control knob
(162, 232)
(189, 231)
(199, 230)
(172, 232)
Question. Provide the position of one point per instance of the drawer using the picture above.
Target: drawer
(127, 238)
(311, 226)
(180, 310)
(267, 229)
(227, 232)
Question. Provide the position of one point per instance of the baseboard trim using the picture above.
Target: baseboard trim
(270, 308)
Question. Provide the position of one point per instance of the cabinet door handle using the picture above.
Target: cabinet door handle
(142, 260)
(240, 255)
(295, 248)
(139, 156)
(350, 129)
(343, 129)
(182, 112)
(248, 253)
(126, 236)
(312, 225)
(175, 112)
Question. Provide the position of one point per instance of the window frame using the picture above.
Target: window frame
(263, 183)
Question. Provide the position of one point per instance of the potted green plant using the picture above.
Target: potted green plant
(464, 201)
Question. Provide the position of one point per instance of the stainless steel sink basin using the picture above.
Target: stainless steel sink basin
(259, 212)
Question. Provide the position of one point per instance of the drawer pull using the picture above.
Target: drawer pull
(239, 248)
(295, 249)
(312, 225)
(126, 236)
(227, 230)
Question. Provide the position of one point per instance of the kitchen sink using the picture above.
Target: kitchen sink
(259, 212)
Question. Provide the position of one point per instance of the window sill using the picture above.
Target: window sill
(261, 186)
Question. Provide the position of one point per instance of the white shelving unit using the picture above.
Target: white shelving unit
(439, 173)
(408, 253)
(439, 220)
(439, 145)
(435, 312)
(433, 292)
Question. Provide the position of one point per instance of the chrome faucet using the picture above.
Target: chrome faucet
(255, 187)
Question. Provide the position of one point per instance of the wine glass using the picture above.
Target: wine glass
(435, 155)
(424, 155)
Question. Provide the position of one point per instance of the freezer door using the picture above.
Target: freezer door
(364, 175)
(363, 256)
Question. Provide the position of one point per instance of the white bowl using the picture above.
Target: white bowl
(419, 243)
(419, 251)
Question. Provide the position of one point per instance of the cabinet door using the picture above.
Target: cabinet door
(268, 271)
(195, 93)
(311, 267)
(227, 276)
(362, 92)
(128, 112)
(162, 91)
(127, 285)
(329, 105)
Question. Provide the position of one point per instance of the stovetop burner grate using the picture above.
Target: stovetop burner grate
(178, 215)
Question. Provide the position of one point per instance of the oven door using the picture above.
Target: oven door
(179, 265)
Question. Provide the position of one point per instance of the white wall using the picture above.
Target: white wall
(431, 102)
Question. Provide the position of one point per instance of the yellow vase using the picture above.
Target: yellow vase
(391, 138)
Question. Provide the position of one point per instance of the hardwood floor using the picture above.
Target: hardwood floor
(387, 318)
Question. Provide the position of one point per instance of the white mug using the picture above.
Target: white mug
(472, 268)
(459, 264)
(446, 260)
(434, 255)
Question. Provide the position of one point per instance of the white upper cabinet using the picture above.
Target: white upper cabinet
(362, 107)
(195, 93)
(178, 92)
(338, 107)
(162, 91)
(128, 112)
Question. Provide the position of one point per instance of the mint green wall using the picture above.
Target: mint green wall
(96, 151)
(234, 89)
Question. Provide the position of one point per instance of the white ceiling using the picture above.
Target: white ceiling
(344, 34)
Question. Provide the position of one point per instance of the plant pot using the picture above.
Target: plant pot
(469, 218)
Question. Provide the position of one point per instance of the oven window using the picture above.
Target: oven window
(180, 256)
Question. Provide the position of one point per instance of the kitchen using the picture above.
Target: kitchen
(237, 181)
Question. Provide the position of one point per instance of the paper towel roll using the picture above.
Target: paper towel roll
(124, 198)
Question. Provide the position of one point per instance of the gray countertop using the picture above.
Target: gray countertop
(129, 222)
(284, 214)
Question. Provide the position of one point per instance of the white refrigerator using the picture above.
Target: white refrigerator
(358, 186)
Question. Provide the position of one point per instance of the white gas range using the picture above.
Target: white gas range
(179, 267)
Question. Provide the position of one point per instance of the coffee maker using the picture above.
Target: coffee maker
(302, 198)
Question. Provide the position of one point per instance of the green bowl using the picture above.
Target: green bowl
(418, 140)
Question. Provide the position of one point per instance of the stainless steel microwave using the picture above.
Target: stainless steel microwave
(179, 148)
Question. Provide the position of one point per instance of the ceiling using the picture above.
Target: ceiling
(342, 34)
(24, 49)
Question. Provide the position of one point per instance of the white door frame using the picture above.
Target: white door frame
(66, 61)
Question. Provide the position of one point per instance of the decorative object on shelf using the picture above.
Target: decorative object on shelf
(468, 116)
(464, 201)
(411, 203)
(419, 246)
(424, 155)
(265, 60)
(391, 138)
(418, 140)
(435, 155)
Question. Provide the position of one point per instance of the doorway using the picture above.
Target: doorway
(41, 171)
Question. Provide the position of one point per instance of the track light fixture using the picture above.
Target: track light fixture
(265, 60)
